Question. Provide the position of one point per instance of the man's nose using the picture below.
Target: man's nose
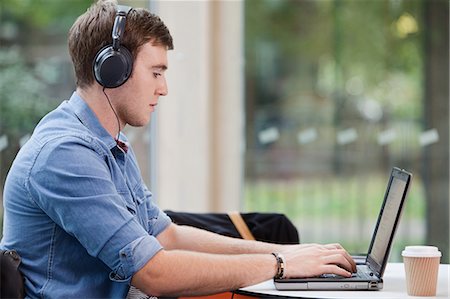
(162, 88)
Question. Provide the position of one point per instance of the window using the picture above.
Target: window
(337, 93)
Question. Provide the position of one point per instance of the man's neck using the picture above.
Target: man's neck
(96, 99)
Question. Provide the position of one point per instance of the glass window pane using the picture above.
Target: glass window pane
(335, 97)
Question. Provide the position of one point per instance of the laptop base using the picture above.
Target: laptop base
(299, 285)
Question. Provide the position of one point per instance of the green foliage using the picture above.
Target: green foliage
(22, 100)
(43, 14)
(26, 80)
(322, 45)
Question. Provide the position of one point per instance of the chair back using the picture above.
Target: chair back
(11, 281)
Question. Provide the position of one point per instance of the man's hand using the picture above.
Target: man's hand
(309, 260)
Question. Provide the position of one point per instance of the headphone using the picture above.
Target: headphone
(113, 63)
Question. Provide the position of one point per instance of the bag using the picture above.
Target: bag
(267, 227)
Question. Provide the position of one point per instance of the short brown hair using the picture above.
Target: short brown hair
(92, 31)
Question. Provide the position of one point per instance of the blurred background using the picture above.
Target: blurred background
(299, 107)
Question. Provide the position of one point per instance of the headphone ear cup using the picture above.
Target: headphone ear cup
(112, 68)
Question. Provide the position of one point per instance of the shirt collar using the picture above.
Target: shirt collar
(90, 120)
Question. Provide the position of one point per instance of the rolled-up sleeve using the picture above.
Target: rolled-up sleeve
(132, 257)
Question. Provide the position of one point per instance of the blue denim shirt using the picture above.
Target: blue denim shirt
(76, 209)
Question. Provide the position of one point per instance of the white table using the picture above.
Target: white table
(394, 287)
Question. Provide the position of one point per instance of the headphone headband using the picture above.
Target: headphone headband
(119, 25)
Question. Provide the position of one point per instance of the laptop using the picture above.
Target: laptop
(370, 273)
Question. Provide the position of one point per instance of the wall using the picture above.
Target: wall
(197, 134)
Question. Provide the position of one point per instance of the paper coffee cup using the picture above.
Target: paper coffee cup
(421, 269)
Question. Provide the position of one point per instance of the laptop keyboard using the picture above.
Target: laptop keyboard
(362, 272)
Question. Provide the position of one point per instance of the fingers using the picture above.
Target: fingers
(333, 269)
(339, 263)
(313, 259)
(349, 259)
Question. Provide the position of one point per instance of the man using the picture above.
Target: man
(76, 208)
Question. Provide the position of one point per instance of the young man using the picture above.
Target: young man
(76, 208)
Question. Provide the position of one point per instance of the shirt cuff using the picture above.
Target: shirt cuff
(128, 250)
(134, 256)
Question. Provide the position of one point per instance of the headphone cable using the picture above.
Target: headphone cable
(122, 145)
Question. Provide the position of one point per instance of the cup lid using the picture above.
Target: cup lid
(421, 251)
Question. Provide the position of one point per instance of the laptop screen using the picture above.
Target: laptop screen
(388, 219)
